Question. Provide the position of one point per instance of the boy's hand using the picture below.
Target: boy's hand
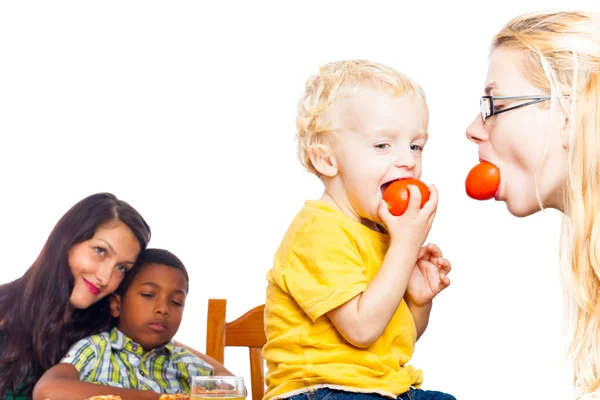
(429, 277)
(411, 228)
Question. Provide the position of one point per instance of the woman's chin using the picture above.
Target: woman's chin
(78, 305)
(521, 209)
(80, 302)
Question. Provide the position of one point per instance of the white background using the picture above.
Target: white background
(187, 111)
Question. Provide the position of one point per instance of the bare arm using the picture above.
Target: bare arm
(363, 319)
(61, 382)
(421, 316)
(429, 278)
(219, 369)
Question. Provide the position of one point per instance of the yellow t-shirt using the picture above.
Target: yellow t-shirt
(324, 260)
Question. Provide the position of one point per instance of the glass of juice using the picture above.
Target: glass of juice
(218, 388)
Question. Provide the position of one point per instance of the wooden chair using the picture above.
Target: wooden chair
(246, 331)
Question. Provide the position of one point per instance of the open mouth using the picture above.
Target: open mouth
(387, 184)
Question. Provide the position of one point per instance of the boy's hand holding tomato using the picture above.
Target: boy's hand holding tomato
(412, 227)
(396, 195)
(403, 199)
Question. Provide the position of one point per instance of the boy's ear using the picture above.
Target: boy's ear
(324, 161)
(115, 305)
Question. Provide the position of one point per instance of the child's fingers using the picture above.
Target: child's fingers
(427, 269)
(445, 266)
(444, 281)
(431, 206)
(386, 216)
(423, 254)
(384, 209)
(414, 199)
(434, 250)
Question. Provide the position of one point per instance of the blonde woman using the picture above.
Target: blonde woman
(540, 125)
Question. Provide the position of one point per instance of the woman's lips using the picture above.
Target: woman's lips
(95, 290)
(497, 194)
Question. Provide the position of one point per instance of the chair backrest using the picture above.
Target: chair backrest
(246, 331)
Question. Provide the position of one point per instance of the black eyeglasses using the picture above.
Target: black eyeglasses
(487, 104)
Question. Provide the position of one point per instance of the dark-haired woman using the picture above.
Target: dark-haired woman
(63, 296)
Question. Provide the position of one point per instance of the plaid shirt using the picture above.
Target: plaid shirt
(113, 359)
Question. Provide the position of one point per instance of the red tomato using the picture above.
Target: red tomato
(396, 195)
(483, 181)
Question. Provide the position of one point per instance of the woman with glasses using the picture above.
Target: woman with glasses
(540, 125)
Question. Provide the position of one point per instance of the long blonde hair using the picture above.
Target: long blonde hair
(314, 130)
(561, 55)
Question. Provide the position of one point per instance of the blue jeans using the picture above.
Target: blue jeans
(418, 394)
(331, 394)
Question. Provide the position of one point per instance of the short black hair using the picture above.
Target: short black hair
(149, 257)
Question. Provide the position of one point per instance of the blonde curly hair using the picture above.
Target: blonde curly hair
(315, 129)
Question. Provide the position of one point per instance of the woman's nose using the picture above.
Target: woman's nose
(104, 274)
(476, 131)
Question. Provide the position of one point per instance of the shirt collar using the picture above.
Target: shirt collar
(119, 341)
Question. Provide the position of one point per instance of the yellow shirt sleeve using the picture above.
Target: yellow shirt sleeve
(323, 268)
